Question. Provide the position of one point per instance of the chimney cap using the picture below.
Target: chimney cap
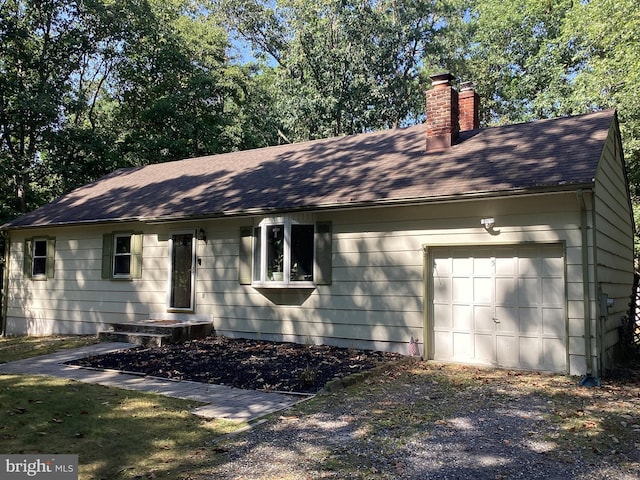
(441, 79)
(464, 86)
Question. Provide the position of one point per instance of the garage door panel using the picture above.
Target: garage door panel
(442, 317)
(461, 265)
(444, 341)
(529, 320)
(482, 262)
(462, 346)
(506, 291)
(553, 322)
(528, 262)
(442, 290)
(461, 286)
(507, 306)
(506, 262)
(482, 290)
(463, 317)
(552, 264)
(507, 350)
(552, 291)
(484, 348)
(530, 352)
(482, 320)
(528, 292)
(442, 267)
(507, 318)
(554, 356)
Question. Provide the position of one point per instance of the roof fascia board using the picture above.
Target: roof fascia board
(318, 208)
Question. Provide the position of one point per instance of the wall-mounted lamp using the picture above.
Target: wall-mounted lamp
(488, 223)
(202, 236)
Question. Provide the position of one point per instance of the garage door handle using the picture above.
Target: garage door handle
(495, 320)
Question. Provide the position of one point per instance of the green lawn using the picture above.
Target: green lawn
(18, 348)
(118, 434)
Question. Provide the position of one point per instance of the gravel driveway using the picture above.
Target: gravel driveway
(431, 421)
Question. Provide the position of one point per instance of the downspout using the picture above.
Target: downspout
(5, 284)
(588, 379)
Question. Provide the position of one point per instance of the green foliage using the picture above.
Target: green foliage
(513, 53)
(89, 86)
(41, 47)
(343, 67)
(605, 35)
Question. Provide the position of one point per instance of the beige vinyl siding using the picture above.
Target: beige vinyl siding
(375, 300)
(76, 300)
(614, 239)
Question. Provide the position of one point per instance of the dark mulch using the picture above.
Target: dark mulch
(248, 364)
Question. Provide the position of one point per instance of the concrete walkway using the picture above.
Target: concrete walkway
(222, 401)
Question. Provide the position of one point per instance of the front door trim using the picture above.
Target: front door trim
(170, 272)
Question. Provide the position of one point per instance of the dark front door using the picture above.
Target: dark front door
(182, 272)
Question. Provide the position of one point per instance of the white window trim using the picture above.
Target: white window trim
(39, 276)
(261, 280)
(116, 254)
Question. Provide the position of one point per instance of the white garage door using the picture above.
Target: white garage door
(500, 306)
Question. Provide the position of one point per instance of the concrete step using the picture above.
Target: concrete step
(138, 338)
(143, 327)
(159, 331)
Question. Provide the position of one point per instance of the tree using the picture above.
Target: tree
(88, 86)
(41, 47)
(514, 54)
(343, 66)
(605, 37)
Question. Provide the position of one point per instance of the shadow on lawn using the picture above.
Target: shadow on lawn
(116, 433)
(453, 423)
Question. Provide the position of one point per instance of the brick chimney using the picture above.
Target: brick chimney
(442, 113)
(469, 107)
(450, 112)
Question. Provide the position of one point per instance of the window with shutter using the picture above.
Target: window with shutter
(122, 255)
(39, 258)
(284, 253)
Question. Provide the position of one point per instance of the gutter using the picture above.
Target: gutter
(588, 380)
(320, 207)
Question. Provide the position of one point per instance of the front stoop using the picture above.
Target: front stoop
(159, 330)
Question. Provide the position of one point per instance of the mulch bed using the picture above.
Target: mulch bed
(241, 363)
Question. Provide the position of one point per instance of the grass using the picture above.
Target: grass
(19, 348)
(118, 434)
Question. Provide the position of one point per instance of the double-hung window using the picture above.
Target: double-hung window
(122, 255)
(39, 258)
(39, 261)
(285, 253)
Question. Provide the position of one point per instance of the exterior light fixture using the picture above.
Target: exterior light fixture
(488, 223)
(202, 236)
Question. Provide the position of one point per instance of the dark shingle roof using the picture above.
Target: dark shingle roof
(388, 166)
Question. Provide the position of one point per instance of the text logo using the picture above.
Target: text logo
(50, 467)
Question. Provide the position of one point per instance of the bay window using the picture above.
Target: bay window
(284, 253)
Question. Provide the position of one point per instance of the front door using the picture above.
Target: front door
(182, 274)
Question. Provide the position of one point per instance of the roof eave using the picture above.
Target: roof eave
(316, 207)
